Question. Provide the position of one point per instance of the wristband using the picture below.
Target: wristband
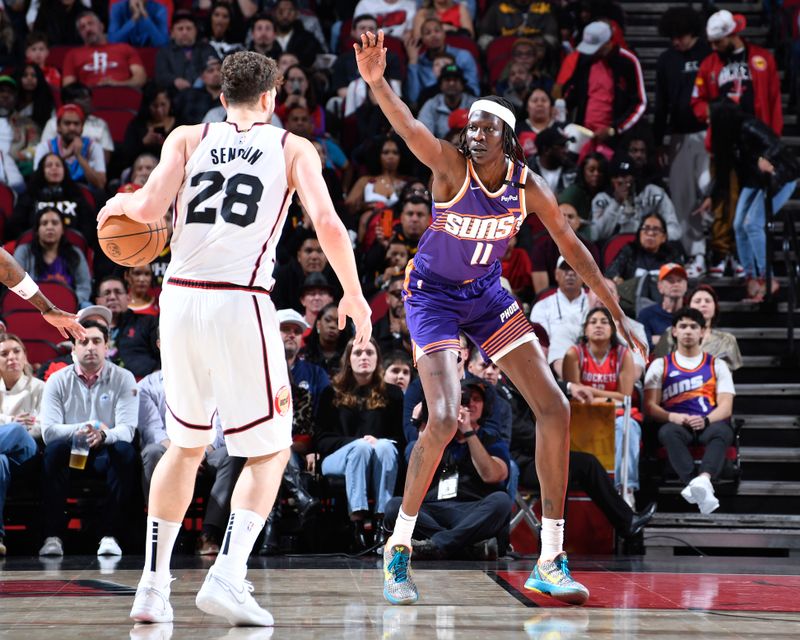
(468, 434)
(25, 288)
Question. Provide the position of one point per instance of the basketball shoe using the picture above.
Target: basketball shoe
(151, 604)
(398, 584)
(221, 597)
(552, 578)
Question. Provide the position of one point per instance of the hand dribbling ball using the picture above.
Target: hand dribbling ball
(130, 243)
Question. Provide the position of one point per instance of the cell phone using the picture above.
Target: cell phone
(387, 222)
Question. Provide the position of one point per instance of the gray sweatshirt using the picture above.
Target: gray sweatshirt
(68, 404)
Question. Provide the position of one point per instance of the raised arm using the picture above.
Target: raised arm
(540, 200)
(305, 174)
(438, 155)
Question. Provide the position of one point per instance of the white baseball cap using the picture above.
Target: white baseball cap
(595, 35)
(95, 310)
(291, 316)
(724, 23)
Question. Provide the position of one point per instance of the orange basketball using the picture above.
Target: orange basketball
(132, 243)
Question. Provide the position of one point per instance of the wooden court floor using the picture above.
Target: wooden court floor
(311, 597)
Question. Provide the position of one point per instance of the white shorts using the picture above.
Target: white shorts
(221, 352)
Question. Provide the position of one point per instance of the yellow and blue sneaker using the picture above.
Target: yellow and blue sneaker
(398, 585)
(552, 578)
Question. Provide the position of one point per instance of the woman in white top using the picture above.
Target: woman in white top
(21, 395)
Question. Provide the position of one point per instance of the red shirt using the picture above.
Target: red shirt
(600, 105)
(92, 65)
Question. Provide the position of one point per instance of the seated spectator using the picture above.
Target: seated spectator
(690, 393)
(154, 122)
(326, 342)
(138, 174)
(539, 110)
(94, 128)
(263, 36)
(720, 344)
(563, 310)
(395, 17)
(315, 294)
(49, 257)
(221, 29)
(132, 343)
(289, 277)
(37, 49)
(96, 313)
(293, 36)
(192, 104)
(181, 63)
(395, 262)
(20, 405)
(99, 63)
(154, 442)
(19, 134)
(600, 361)
(298, 90)
(467, 504)
(241, 11)
(9, 173)
(57, 19)
(528, 67)
(592, 180)
(387, 167)
(391, 331)
(454, 16)
(517, 269)
(623, 208)
(432, 43)
(299, 122)
(34, 98)
(82, 156)
(646, 254)
(672, 285)
(598, 74)
(398, 369)
(435, 112)
(518, 18)
(639, 148)
(52, 186)
(545, 252)
(99, 399)
(139, 23)
(359, 436)
(140, 287)
(304, 374)
(551, 161)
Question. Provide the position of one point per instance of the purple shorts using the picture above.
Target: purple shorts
(437, 310)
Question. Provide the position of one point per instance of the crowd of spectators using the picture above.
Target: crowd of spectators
(659, 206)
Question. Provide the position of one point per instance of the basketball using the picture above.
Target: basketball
(130, 243)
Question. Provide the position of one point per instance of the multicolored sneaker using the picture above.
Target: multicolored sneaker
(552, 578)
(398, 585)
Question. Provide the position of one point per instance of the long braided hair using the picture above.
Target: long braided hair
(511, 146)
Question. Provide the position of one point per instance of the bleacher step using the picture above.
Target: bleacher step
(757, 421)
(757, 333)
(769, 454)
(656, 538)
(779, 488)
(740, 520)
(770, 389)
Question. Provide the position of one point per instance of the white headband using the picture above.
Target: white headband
(495, 109)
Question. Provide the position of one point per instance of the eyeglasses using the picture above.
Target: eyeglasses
(420, 192)
(655, 230)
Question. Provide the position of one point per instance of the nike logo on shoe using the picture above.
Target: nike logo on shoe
(240, 595)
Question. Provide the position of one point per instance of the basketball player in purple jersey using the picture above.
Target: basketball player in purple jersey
(482, 192)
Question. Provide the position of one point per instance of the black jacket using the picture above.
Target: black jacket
(135, 340)
(171, 63)
(756, 140)
(303, 44)
(630, 100)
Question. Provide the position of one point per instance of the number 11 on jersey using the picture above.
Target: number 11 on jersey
(482, 252)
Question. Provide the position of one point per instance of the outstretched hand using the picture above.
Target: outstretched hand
(66, 323)
(357, 308)
(371, 56)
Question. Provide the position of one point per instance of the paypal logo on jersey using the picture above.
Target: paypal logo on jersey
(474, 228)
(508, 198)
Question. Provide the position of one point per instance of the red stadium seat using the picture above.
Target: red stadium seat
(6, 206)
(116, 98)
(60, 295)
(148, 56)
(500, 50)
(57, 55)
(467, 43)
(379, 306)
(31, 325)
(118, 121)
(614, 246)
(41, 351)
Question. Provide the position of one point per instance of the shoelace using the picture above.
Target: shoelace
(399, 567)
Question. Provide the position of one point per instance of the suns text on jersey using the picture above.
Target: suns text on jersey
(226, 154)
(477, 228)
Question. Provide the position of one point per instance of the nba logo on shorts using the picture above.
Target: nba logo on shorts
(283, 400)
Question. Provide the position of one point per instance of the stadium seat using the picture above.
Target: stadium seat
(60, 295)
(116, 98)
(88, 196)
(148, 56)
(118, 121)
(57, 55)
(379, 306)
(614, 246)
(31, 325)
(6, 206)
(466, 43)
(41, 351)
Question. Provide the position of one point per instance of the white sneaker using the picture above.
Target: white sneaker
(696, 268)
(52, 547)
(220, 597)
(108, 547)
(737, 269)
(151, 605)
(702, 493)
(718, 270)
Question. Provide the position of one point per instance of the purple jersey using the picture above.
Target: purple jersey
(692, 391)
(470, 233)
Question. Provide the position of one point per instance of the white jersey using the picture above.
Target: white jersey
(230, 210)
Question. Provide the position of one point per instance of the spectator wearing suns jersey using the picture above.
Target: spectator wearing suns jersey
(691, 394)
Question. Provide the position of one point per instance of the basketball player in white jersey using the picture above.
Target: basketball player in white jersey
(220, 343)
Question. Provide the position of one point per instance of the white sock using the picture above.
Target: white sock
(403, 528)
(240, 536)
(161, 536)
(552, 538)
